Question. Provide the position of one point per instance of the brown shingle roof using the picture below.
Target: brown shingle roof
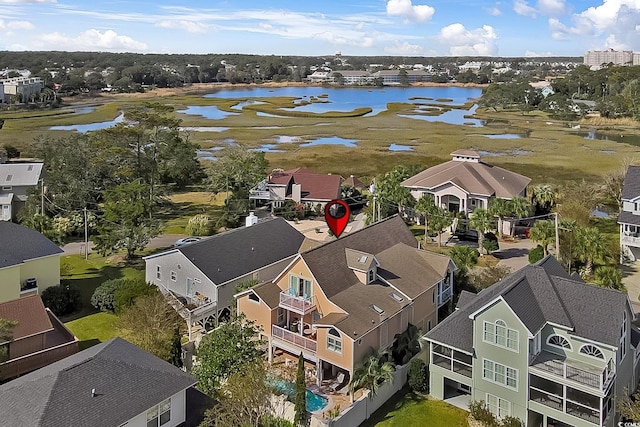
(473, 177)
(318, 187)
(30, 314)
(269, 293)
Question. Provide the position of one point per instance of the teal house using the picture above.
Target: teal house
(539, 345)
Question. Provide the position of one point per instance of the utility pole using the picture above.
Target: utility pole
(557, 237)
(42, 197)
(86, 235)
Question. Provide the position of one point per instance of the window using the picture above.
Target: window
(429, 326)
(499, 334)
(280, 316)
(158, 275)
(559, 341)
(9, 178)
(174, 276)
(591, 350)
(501, 374)
(396, 297)
(7, 187)
(160, 414)
(499, 407)
(376, 309)
(334, 341)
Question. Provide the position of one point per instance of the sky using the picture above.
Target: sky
(508, 28)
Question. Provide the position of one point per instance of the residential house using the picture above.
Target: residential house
(466, 183)
(539, 345)
(339, 301)
(38, 339)
(300, 185)
(27, 88)
(629, 218)
(29, 262)
(200, 279)
(16, 179)
(112, 384)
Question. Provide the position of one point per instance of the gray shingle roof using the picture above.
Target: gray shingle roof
(20, 174)
(542, 293)
(631, 185)
(234, 253)
(628, 218)
(19, 243)
(127, 381)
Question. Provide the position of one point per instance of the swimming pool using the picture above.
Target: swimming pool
(315, 402)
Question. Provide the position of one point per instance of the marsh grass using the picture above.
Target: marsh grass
(555, 154)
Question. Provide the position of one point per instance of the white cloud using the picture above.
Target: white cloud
(532, 54)
(188, 26)
(521, 7)
(404, 48)
(494, 11)
(614, 22)
(405, 9)
(551, 7)
(10, 26)
(464, 42)
(91, 40)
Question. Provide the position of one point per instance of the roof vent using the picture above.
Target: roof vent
(93, 392)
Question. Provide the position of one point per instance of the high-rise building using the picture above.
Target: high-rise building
(595, 58)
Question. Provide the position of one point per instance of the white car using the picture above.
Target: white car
(186, 241)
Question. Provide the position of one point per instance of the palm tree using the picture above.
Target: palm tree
(543, 197)
(544, 233)
(500, 208)
(425, 206)
(520, 208)
(589, 246)
(370, 374)
(440, 220)
(482, 221)
(609, 277)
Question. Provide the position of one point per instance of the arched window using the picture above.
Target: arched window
(334, 340)
(559, 341)
(591, 350)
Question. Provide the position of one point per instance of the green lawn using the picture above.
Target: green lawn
(93, 329)
(406, 409)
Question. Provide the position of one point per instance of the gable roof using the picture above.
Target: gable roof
(127, 381)
(539, 294)
(234, 253)
(19, 244)
(631, 184)
(30, 314)
(314, 186)
(410, 270)
(474, 177)
(20, 174)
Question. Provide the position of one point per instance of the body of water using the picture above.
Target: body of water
(315, 402)
(210, 112)
(397, 147)
(334, 140)
(90, 126)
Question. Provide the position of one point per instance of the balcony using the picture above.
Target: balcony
(631, 239)
(452, 360)
(578, 372)
(297, 304)
(567, 406)
(259, 195)
(294, 338)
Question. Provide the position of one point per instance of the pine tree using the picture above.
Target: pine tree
(300, 402)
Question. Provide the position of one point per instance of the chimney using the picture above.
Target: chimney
(93, 392)
(296, 192)
(251, 220)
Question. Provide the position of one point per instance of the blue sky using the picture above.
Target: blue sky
(323, 27)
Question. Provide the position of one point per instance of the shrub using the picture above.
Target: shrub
(199, 225)
(129, 290)
(61, 300)
(103, 296)
(536, 254)
(273, 421)
(481, 413)
(490, 242)
(418, 375)
(511, 422)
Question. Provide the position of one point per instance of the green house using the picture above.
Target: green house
(539, 345)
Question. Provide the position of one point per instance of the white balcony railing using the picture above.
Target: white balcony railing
(259, 195)
(298, 304)
(630, 240)
(294, 338)
(595, 378)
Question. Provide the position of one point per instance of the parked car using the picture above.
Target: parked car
(186, 241)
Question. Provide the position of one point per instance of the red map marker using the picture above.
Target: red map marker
(336, 213)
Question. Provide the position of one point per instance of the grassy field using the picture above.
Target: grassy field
(548, 151)
(183, 206)
(93, 329)
(406, 409)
